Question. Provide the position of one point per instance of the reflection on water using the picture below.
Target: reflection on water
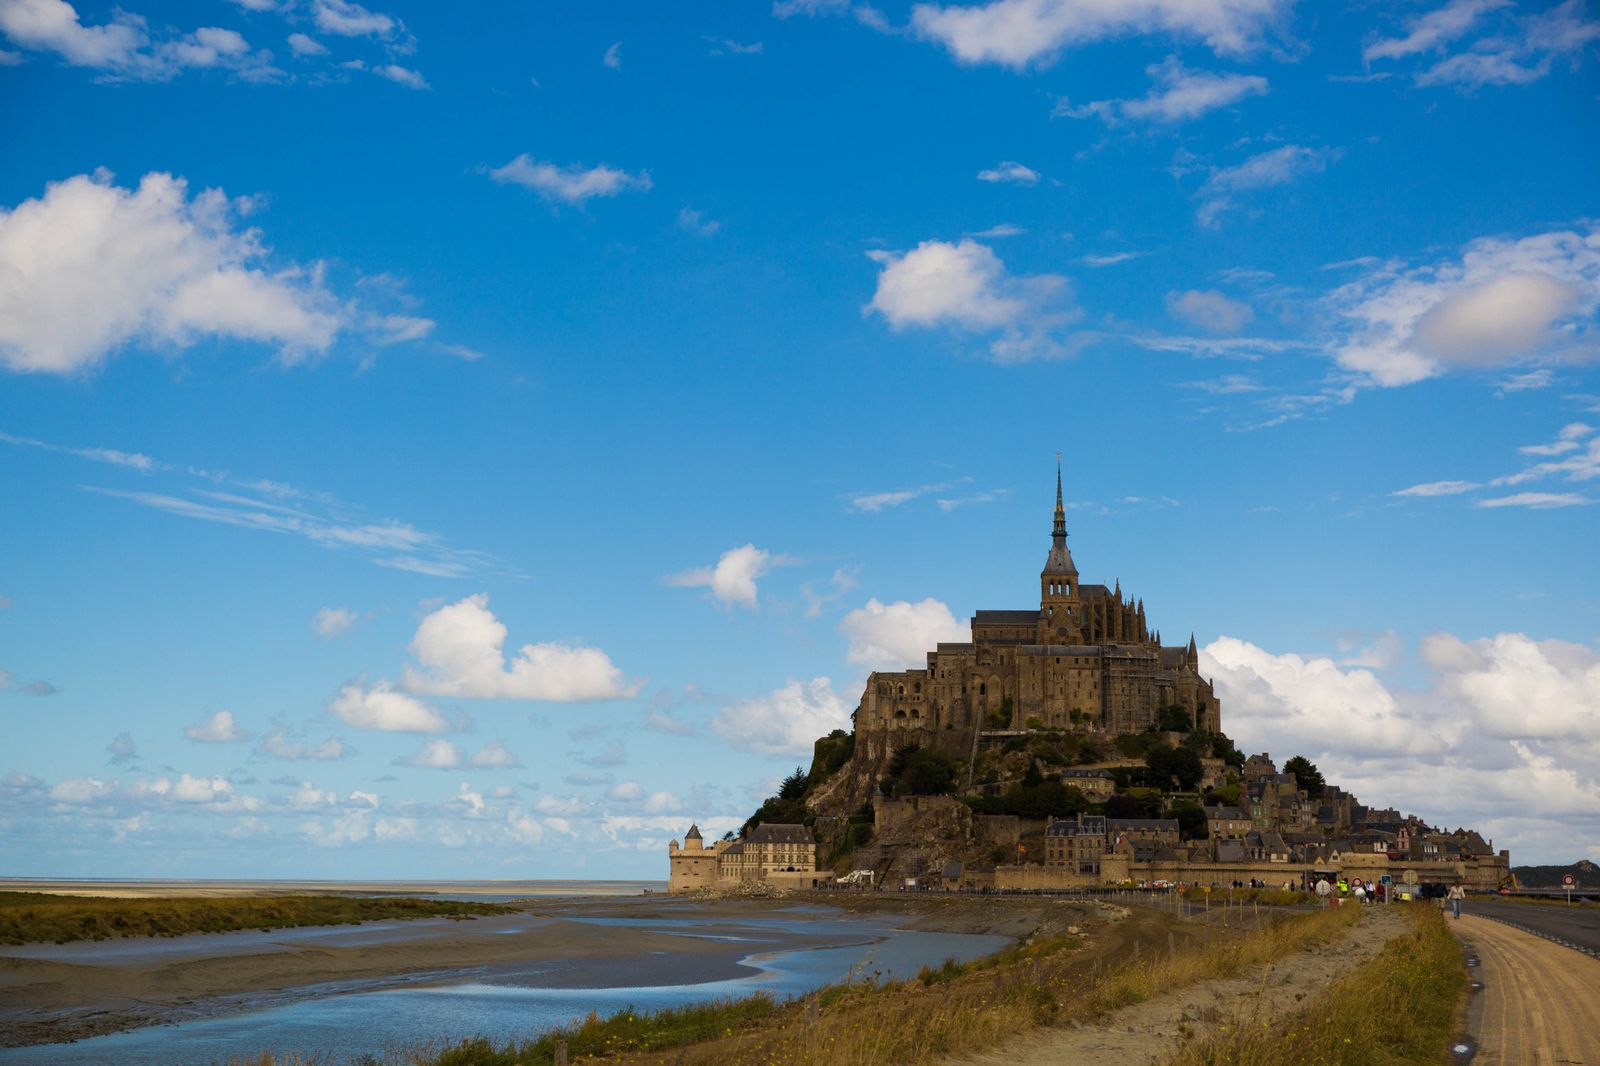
(512, 1004)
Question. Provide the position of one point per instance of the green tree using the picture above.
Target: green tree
(1192, 824)
(1175, 720)
(1172, 769)
(1032, 778)
(1306, 775)
(794, 786)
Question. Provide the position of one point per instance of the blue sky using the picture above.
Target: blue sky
(442, 445)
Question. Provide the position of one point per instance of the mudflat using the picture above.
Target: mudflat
(51, 993)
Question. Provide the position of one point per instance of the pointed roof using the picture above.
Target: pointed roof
(1059, 561)
(693, 833)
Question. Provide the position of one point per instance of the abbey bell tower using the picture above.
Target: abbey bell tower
(1058, 582)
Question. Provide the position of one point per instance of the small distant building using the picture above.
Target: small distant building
(783, 854)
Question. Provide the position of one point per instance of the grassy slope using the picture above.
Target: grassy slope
(27, 917)
(1398, 1010)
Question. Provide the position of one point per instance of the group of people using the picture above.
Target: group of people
(1332, 892)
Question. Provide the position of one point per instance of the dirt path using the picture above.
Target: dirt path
(1540, 1002)
(1154, 1030)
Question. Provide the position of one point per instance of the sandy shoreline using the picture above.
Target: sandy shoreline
(51, 993)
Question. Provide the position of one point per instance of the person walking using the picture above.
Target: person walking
(1325, 891)
(1455, 896)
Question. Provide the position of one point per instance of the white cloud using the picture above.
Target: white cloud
(1019, 33)
(572, 184)
(1110, 259)
(411, 79)
(383, 707)
(133, 460)
(613, 57)
(121, 749)
(220, 728)
(189, 789)
(1539, 501)
(1502, 302)
(1279, 166)
(1004, 229)
(1568, 440)
(1210, 310)
(626, 792)
(1516, 687)
(662, 722)
(331, 621)
(460, 649)
(697, 223)
(52, 25)
(784, 9)
(494, 756)
(280, 745)
(732, 580)
(1308, 703)
(898, 636)
(786, 722)
(1440, 26)
(1179, 94)
(92, 267)
(302, 45)
(436, 754)
(1011, 173)
(1510, 727)
(966, 286)
(1438, 488)
(1522, 51)
(345, 19)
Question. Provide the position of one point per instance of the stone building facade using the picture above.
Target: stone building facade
(779, 853)
(1086, 659)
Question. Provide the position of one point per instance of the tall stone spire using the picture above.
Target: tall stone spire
(1060, 531)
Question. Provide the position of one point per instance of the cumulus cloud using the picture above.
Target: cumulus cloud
(572, 184)
(1438, 488)
(1309, 703)
(1506, 737)
(331, 621)
(302, 45)
(785, 722)
(1020, 33)
(1179, 94)
(732, 580)
(220, 728)
(1279, 166)
(898, 636)
(1502, 302)
(1427, 31)
(494, 756)
(122, 749)
(460, 651)
(345, 19)
(966, 286)
(1210, 310)
(1010, 172)
(92, 267)
(1568, 440)
(436, 755)
(123, 48)
(383, 707)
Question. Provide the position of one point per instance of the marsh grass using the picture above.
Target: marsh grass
(1398, 1009)
(31, 917)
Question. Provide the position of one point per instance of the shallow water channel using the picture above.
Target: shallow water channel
(520, 1000)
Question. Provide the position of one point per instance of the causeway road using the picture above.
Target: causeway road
(1579, 926)
(1540, 1001)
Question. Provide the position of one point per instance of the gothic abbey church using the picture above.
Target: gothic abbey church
(1085, 661)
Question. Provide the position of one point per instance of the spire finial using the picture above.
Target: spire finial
(1060, 529)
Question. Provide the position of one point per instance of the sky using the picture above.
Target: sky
(474, 443)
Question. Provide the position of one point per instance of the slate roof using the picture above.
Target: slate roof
(779, 833)
(1006, 617)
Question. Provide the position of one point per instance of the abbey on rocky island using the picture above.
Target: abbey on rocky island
(1086, 660)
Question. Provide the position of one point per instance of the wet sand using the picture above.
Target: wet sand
(51, 993)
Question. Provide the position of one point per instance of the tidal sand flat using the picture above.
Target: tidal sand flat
(346, 991)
